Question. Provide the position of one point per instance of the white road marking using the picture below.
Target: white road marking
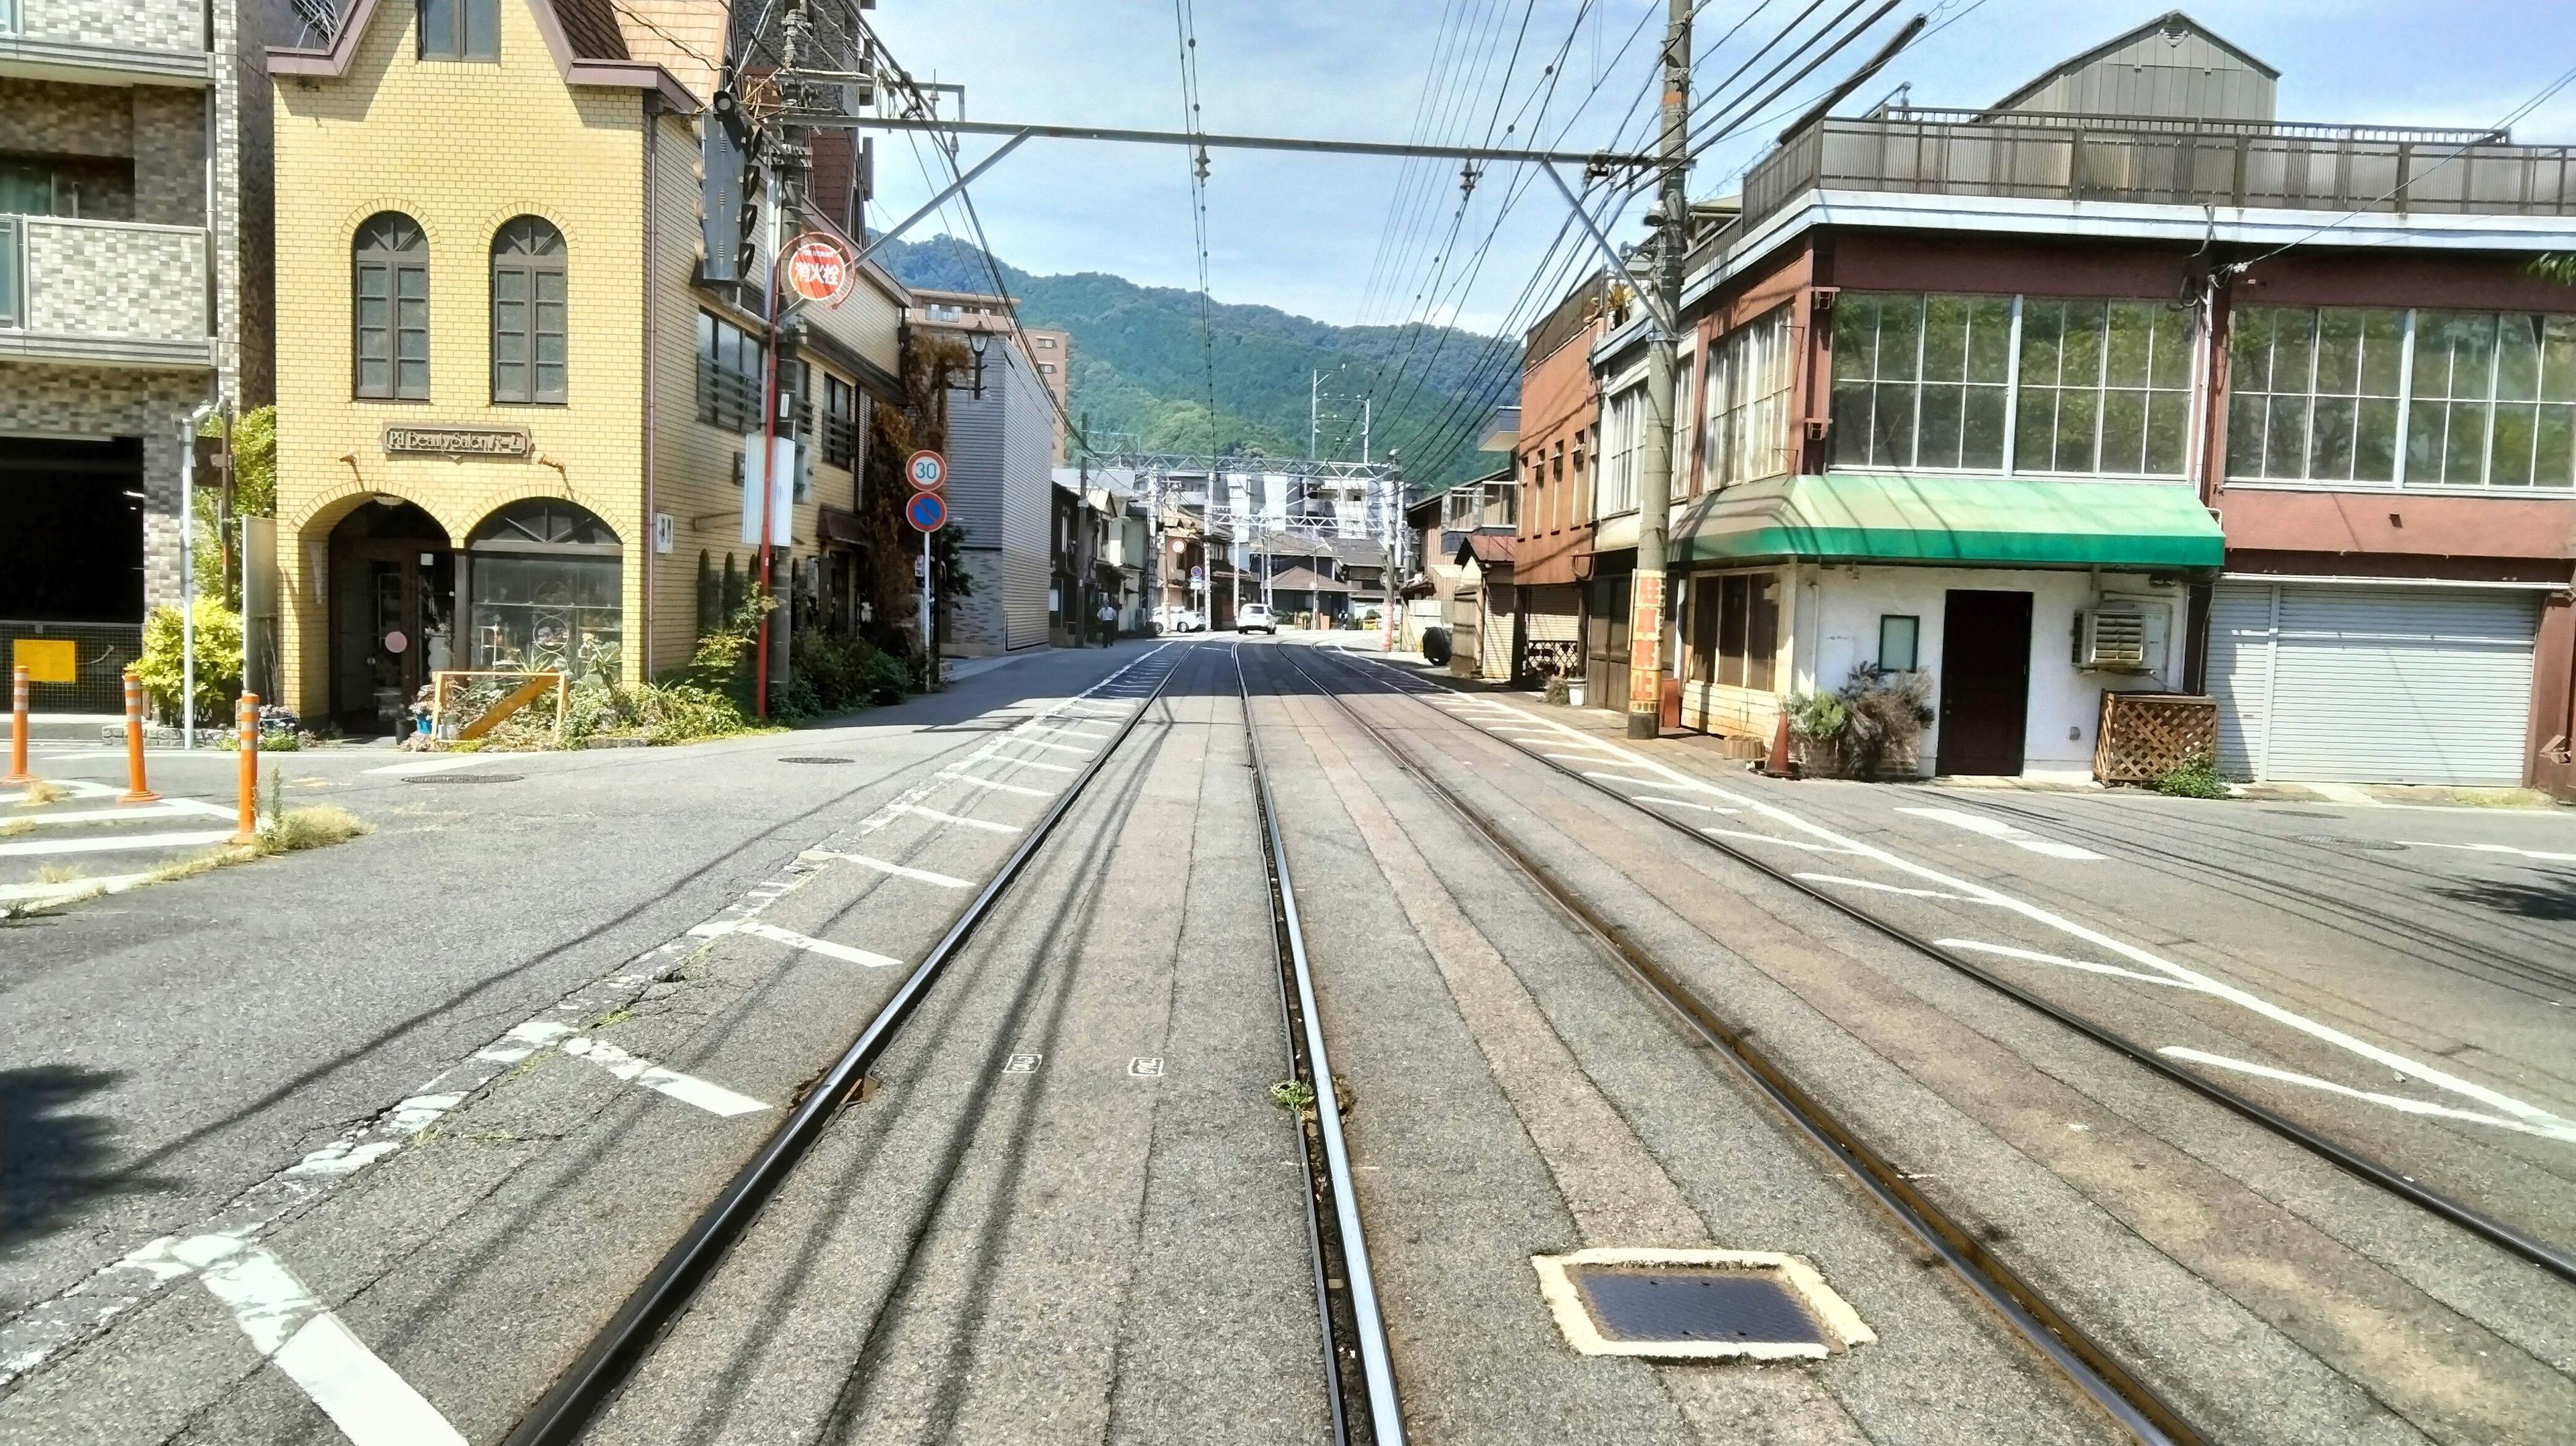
(1036, 727)
(714, 1098)
(2242, 998)
(1786, 843)
(900, 871)
(130, 812)
(1678, 803)
(117, 843)
(1041, 743)
(71, 787)
(1146, 1067)
(1620, 778)
(300, 1336)
(988, 783)
(2487, 848)
(2089, 967)
(2002, 832)
(1022, 1064)
(1882, 888)
(2394, 1102)
(810, 945)
(1016, 763)
(1576, 757)
(441, 763)
(982, 823)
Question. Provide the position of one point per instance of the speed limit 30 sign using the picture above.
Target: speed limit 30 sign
(926, 470)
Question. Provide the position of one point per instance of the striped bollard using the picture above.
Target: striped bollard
(18, 773)
(246, 735)
(135, 791)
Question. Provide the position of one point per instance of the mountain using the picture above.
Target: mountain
(1140, 366)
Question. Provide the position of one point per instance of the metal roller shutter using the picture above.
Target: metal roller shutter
(2373, 685)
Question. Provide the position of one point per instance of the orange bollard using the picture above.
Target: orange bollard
(246, 726)
(18, 732)
(134, 792)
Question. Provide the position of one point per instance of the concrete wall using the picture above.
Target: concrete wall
(1833, 628)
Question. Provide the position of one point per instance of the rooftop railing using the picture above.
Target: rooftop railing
(2384, 170)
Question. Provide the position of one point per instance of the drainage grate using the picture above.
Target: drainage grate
(813, 760)
(1679, 1305)
(462, 777)
(1695, 1305)
(2375, 845)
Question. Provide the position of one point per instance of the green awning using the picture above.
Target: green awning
(1959, 521)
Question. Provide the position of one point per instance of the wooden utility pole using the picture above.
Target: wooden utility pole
(1659, 457)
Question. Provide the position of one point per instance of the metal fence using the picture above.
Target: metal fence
(102, 652)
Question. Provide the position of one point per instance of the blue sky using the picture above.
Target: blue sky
(1363, 240)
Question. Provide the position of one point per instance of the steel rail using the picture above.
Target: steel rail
(565, 1412)
(2477, 1222)
(1386, 1412)
(2084, 1362)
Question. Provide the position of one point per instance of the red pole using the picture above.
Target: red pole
(246, 736)
(135, 792)
(18, 731)
(768, 464)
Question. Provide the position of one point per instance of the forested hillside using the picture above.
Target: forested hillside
(1139, 366)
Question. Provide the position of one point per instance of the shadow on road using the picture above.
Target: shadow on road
(54, 1161)
(2552, 898)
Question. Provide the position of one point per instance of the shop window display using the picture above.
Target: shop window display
(548, 591)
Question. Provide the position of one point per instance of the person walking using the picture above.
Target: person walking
(1108, 622)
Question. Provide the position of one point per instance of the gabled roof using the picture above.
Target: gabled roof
(2170, 23)
(1304, 579)
(1487, 548)
(582, 35)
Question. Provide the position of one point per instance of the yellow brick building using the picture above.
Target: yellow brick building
(510, 418)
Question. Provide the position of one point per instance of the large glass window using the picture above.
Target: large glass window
(1748, 403)
(1621, 431)
(547, 591)
(1734, 629)
(729, 367)
(390, 308)
(2104, 387)
(1920, 381)
(2418, 398)
(528, 312)
(460, 29)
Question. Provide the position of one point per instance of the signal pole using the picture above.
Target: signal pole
(1657, 466)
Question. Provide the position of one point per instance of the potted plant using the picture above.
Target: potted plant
(1884, 715)
(1816, 723)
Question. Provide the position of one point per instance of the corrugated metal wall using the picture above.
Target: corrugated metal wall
(2187, 76)
(1027, 491)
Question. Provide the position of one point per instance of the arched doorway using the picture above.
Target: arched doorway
(393, 607)
(548, 590)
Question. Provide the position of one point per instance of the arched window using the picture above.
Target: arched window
(528, 312)
(547, 590)
(390, 306)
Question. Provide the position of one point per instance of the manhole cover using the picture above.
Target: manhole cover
(1696, 1305)
(2375, 845)
(462, 777)
(813, 760)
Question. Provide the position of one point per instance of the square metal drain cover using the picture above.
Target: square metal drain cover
(1696, 1305)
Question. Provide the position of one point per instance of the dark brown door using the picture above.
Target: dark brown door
(1606, 645)
(1985, 682)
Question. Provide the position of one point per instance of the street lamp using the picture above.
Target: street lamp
(977, 342)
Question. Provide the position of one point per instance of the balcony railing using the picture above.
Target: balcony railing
(112, 291)
(163, 39)
(2381, 170)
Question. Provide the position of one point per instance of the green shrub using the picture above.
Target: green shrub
(219, 659)
(1817, 715)
(2195, 777)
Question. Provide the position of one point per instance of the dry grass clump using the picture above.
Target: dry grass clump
(41, 791)
(57, 874)
(11, 828)
(319, 826)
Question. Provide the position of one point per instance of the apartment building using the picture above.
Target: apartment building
(2121, 383)
(134, 285)
(1005, 430)
(514, 412)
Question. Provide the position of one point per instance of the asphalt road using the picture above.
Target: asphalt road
(365, 1144)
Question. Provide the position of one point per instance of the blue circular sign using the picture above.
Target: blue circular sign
(926, 512)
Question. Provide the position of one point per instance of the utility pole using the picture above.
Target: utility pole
(1654, 502)
(1314, 419)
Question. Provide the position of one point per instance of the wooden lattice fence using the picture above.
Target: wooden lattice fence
(2144, 736)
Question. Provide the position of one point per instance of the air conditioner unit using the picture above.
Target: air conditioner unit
(2120, 638)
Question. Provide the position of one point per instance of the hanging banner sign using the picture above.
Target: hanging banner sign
(926, 470)
(818, 270)
(778, 480)
(926, 512)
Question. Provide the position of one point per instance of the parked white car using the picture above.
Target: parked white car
(1179, 620)
(1253, 617)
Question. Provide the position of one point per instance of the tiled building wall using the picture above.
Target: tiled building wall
(41, 399)
(976, 622)
(110, 280)
(169, 132)
(48, 118)
(141, 24)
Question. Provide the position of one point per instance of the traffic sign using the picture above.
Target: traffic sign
(818, 269)
(926, 512)
(927, 470)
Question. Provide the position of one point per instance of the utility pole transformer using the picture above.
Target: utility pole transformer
(1658, 460)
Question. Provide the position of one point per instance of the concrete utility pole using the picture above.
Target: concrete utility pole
(1657, 461)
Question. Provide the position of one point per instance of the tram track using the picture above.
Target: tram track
(2089, 1367)
(1357, 1376)
(2375, 1172)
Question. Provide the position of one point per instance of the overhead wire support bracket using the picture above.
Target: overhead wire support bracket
(1618, 264)
(951, 189)
(1211, 140)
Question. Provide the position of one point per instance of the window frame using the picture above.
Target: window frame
(460, 20)
(365, 257)
(531, 269)
(1913, 642)
(1733, 627)
(729, 397)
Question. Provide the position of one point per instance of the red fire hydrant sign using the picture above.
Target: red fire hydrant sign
(818, 270)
